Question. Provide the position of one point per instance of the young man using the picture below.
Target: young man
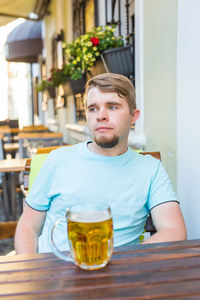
(105, 170)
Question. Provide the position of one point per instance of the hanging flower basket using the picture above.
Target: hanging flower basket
(74, 86)
(119, 60)
(51, 92)
(97, 69)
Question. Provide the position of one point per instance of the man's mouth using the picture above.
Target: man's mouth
(103, 128)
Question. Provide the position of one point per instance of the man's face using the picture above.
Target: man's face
(109, 118)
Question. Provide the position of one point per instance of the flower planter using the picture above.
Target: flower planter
(97, 69)
(119, 60)
(71, 86)
(51, 92)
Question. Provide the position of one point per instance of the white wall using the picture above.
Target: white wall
(188, 111)
(159, 76)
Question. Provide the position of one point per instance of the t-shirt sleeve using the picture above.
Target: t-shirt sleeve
(161, 189)
(38, 197)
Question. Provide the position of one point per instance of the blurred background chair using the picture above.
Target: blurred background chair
(1, 157)
(48, 149)
(33, 166)
(149, 226)
(29, 142)
(7, 229)
(35, 128)
(7, 134)
(10, 123)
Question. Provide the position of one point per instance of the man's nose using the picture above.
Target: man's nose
(102, 115)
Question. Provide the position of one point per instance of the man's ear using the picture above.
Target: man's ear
(135, 115)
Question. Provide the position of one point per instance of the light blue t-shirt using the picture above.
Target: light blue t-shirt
(132, 184)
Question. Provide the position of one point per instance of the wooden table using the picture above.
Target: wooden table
(156, 271)
(11, 148)
(11, 167)
(9, 133)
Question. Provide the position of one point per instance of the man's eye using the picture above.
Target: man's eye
(92, 109)
(112, 107)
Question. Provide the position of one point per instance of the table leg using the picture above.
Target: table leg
(13, 195)
(5, 198)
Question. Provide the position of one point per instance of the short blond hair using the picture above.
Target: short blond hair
(113, 83)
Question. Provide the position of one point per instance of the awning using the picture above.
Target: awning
(13, 9)
(24, 43)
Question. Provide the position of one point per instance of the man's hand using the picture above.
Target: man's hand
(28, 229)
(168, 221)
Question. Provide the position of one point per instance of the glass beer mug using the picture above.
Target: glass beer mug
(90, 235)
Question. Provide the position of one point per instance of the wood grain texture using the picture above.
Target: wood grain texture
(154, 271)
(7, 229)
(40, 135)
(49, 149)
(12, 165)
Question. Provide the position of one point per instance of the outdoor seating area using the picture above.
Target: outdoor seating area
(99, 111)
(16, 145)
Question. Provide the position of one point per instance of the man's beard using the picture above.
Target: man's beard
(107, 142)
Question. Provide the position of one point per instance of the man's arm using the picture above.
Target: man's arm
(28, 229)
(169, 223)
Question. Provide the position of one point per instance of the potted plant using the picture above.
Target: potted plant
(62, 76)
(73, 81)
(119, 60)
(83, 54)
(46, 86)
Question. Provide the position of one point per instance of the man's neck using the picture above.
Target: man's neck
(114, 151)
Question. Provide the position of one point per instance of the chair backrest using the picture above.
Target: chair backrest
(35, 128)
(10, 123)
(149, 227)
(33, 165)
(34, 139)
(6, 131)
(36, 164)
(49, 149)
(7, 229)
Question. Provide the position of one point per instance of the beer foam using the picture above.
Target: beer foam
(89, 216)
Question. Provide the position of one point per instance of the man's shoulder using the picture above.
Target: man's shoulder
(145, 162)
(67, 149)
(144, 158)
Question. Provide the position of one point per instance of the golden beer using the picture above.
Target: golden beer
(90, 238)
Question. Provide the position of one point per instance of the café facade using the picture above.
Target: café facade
(163, 36)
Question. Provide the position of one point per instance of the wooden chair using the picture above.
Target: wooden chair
(149, 227)
(46, 138)
(35, 128)
(7, 229)
(7, 134)
(10, 123)
(1, 157)
(49, 149)
(44, 150)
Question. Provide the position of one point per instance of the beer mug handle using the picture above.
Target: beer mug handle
(54, 248)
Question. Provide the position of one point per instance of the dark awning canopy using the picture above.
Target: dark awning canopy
(27, 9)
(24, 43)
